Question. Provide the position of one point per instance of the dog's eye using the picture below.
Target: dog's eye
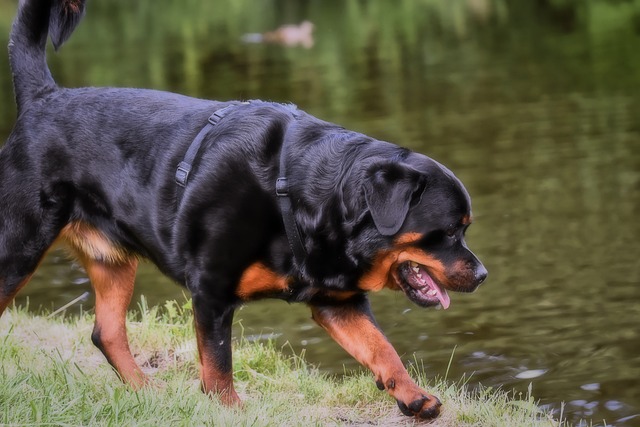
(451, 231)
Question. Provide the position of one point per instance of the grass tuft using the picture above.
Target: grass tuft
(50, 374)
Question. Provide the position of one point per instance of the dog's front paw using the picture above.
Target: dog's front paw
(424, 406)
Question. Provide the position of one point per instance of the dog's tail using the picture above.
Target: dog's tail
(36, 19)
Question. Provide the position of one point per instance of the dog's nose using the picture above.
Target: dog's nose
(481, 274)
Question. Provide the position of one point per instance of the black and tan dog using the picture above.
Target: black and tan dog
(256, 200)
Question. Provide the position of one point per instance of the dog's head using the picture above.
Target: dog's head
(424, 211)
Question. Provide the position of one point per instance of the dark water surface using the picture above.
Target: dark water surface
(535, 105)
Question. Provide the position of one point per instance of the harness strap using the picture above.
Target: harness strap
(294, 236)
(184, 167)
(284, 200)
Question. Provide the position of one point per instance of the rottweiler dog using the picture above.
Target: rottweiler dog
(236, 201)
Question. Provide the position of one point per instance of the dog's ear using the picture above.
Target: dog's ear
(389, 189)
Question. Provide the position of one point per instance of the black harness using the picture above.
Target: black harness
(184, 167)
(282, 183)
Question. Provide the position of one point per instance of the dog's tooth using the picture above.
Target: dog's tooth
(432, 293)
(414, 264)
(419, 275)
(416, 269)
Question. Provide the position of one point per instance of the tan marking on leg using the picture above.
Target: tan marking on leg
(113, 285)
(5, 300)
(111, 270)
(214, 381)
(356, 333)
(93, 244)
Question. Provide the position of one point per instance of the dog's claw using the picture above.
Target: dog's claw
(427, 407)
(404, 409)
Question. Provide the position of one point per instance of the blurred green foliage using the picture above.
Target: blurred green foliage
(371, 55)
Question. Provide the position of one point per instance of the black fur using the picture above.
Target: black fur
(107, 157)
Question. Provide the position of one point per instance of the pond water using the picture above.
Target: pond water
(534, 105)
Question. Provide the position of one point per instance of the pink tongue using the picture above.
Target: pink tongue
(442, 295)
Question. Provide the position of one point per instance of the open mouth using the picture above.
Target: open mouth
(420, 287)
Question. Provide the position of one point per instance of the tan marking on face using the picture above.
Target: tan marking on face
(435, 268)
(462, 275)
(467, 219)
(408, 238)
(383, 272)
(259, 279)
(378, 277)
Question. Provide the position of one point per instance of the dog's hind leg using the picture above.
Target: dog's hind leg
(112, 272)
(113, 285)
(23, 243)
(8, 290)
(14, 275)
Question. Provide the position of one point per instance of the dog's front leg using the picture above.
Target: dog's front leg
(213, 332)
(352, 326)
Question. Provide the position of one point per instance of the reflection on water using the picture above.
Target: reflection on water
(534, 105)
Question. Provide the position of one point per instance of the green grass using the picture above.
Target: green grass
(51, 374)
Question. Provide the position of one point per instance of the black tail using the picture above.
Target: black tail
(36, 19)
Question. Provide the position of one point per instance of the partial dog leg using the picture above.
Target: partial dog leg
(352, 326)
(22, 246)
(213, 321)
(9, 288)
(113, 285)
